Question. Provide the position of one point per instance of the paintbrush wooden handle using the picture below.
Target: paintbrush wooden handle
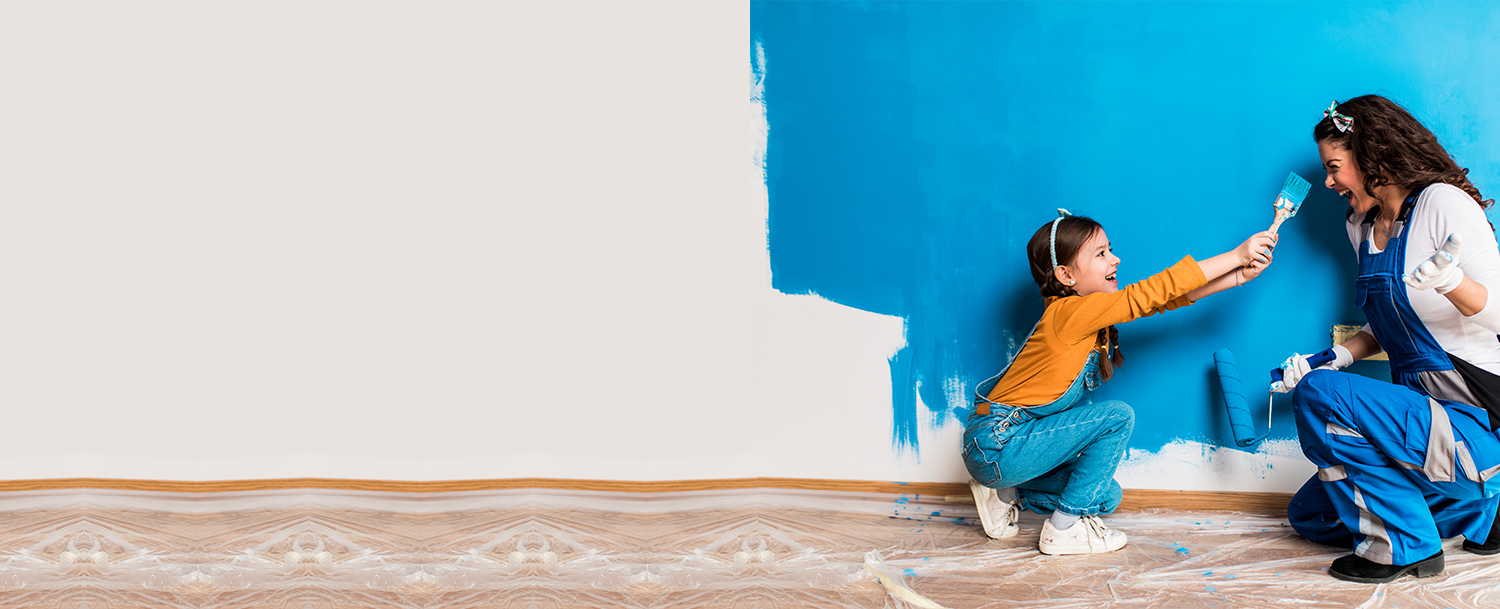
(1280, 217)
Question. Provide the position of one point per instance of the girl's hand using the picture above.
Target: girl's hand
(1256, 249)
(1252, 270)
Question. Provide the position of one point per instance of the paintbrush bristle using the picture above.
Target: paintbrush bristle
(1295, 189)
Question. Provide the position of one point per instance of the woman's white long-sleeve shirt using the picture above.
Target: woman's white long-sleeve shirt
(1443, 209)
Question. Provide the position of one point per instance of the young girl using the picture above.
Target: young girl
(1031, 442)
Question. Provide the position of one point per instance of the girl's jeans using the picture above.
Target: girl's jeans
(1059, 456)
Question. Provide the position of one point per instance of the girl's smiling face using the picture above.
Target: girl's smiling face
(1093, 270)
(1344, 176)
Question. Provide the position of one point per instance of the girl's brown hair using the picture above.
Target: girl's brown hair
(1072, 233)
(1392, 147)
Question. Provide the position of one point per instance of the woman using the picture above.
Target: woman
(1403, 465)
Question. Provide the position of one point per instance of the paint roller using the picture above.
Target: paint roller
(1235, 405)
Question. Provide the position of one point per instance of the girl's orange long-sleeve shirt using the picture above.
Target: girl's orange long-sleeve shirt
(1066, 334)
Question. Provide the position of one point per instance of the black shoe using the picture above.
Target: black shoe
(1490, 545)
(1355, 569)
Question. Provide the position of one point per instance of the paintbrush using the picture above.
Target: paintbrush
(1292, 193)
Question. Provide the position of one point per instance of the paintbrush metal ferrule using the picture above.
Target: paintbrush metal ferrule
(1286, 205)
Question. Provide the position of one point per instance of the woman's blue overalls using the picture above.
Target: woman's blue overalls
(1060, 456)
(1400, 466)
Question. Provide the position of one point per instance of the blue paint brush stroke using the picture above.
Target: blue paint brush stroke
(913, 149)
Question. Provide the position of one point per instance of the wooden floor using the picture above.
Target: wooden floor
(749, 548)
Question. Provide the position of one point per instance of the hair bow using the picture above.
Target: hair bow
(1342, 122)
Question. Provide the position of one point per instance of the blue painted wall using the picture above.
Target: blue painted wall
(915, 147)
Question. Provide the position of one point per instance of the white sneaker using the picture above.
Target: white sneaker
(1087, 536)
(998, 517)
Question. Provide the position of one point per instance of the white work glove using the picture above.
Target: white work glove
(1440, 273)
(1295, 367)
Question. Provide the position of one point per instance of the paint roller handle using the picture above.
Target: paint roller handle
(1313, 361)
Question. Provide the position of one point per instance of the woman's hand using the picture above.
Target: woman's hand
(1439, 273)
(1256, 249)
(1296, 367)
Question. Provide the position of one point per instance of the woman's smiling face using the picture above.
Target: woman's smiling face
(1344, 176)
(1093, 270)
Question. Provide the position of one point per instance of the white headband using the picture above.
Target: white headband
(1061, 213)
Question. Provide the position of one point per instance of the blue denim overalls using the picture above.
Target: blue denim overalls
(1059, 456)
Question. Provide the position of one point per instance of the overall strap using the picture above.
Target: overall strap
(1367, 223)
(982, 399)
(1381, 294)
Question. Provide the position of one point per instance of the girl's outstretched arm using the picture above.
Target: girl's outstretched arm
(1236, 266)
(1238, 277)
(1080, 317)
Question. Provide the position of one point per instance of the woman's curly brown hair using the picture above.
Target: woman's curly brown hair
(1392, 147)
(1072, 233)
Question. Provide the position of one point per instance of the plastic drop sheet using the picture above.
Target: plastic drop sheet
(730, 549)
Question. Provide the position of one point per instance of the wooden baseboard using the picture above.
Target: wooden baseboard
(1134, 499)
(1207, 501)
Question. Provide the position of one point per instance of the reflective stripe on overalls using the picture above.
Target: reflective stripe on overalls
(1398, 461)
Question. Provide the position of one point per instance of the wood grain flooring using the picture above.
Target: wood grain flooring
(744, 548)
